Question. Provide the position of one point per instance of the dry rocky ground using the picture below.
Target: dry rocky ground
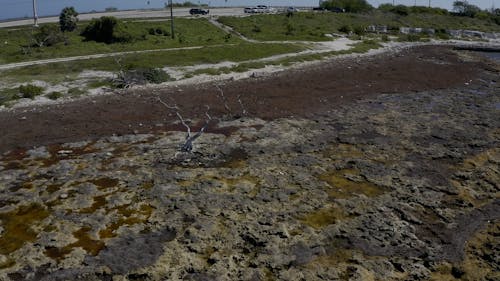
(382, 168)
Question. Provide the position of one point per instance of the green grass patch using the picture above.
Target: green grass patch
(209, 55)
(313, 26)
(154, 35)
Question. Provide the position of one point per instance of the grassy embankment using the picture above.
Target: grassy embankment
(313, 26)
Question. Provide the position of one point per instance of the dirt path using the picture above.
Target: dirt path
(302, 93)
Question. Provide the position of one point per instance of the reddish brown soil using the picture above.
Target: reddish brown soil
(305, 93)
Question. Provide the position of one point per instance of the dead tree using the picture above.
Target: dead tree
(226, 103)
(188, 144)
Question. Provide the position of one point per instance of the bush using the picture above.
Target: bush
(54, 95)
(350, 6)
(401, 10)
(140, 76)
(158, 31)
(30, 91)
(68, 19)
(109, 30)
(48, 35)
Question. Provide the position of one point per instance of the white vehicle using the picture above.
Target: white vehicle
(292, 9)
(249, 10)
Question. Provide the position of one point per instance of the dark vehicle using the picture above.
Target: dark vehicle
(196, 11)
(337, 10)
(319, 9)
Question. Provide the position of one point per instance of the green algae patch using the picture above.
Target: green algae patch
(347, 183)
(25, 185)
(99, 202)
(84, 241)
(53, 188)
(18, 227)
(127, 217)
(7, 263)
(324, 217)
(105, 183)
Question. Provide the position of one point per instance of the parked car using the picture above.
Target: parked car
(292, 10)
(197, 11)
(319, 9)
(249, 10)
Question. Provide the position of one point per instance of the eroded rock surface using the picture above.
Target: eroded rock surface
(396, 187)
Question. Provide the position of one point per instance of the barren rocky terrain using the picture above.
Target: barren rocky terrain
(375, 168)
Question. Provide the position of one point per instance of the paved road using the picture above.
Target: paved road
(178, 12)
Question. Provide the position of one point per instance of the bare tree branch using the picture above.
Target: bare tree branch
(223, 98)
(243, 110)
(188, 144)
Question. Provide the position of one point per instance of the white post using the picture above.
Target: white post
(35, 15)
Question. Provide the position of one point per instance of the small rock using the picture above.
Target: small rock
(63, 196)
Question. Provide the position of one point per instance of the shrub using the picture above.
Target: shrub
(140, 76)
(68, 19)
(30, 91)
(401, 10)
(109, 30)
(350, 6)
(54, 95)
(256, 28)
(48, 35)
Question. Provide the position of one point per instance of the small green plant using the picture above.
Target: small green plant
(30, 91)
(385, 38)
(54, 95)
(155, 75)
